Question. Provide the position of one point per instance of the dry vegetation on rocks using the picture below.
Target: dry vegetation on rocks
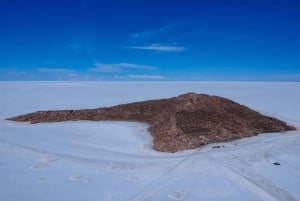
(183, 122)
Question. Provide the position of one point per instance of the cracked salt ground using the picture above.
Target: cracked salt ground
(109, 160)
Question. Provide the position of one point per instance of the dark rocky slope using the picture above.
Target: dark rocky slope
(184, 122)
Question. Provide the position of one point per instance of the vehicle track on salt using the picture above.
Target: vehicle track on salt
(253, 181)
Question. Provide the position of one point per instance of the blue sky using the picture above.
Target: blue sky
(150, 40)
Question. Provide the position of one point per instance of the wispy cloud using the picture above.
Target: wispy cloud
(293, 77)
(150, 34)
(154, 77)
(161, 48)
(73, 75)
(81, 44)
(116, 67)
(9, 74)
(159, 40)
(16, 73)
(55, 70)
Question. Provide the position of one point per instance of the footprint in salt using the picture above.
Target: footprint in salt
(52, 158)
(131, 179)
(40, 166)
(100, 171)
(115, 196)
(41, 179)
(75, 177)
(177, 195)
(121, 167)
(178, 178)
(110, 196)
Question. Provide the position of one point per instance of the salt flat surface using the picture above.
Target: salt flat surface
(98, 161)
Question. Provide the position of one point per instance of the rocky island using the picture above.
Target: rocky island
(183, 122)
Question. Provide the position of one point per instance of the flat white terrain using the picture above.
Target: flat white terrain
(99, 161)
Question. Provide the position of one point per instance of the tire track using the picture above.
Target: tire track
(255, 180)
(164, 179)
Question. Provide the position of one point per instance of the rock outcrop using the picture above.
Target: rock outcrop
(183, 122)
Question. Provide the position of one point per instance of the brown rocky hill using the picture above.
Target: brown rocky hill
(183, 122)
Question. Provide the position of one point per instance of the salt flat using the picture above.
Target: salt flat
(114, 161)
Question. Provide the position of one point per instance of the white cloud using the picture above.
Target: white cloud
(155, 77)
(116, 67)
(161, 48)
(16, 73)
(72, 75)
(50, 62)
(137, 35)
(293, 77)
(136, 66)
(55, 70)
(146, 35)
